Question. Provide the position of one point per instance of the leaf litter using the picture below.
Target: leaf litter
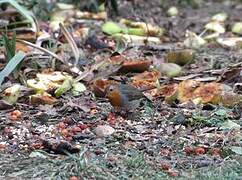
(66, 128)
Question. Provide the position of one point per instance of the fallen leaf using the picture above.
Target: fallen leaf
(137, 40)
(172, 11)
(165, 166)
(66, 85)
(12, 94)
(189, 150)
(169, 69)
(170, 92)
(220, 17)
(78, 88)
(43, 98)
(215, 26)
(230, 99)
(193, 40)
(111, 28)
(186, 90)
(215, 152)
(38, 154)
(237, 28)
(229, 125)
(48, 80)
(208, 93)
(90, 15)
(229, 42)
(144, 29)
(180, 57)
(146, 79)
(135, 66)
(236, 149)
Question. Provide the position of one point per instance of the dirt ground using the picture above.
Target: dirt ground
(145, 144)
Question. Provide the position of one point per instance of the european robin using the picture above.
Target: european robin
(124, 96)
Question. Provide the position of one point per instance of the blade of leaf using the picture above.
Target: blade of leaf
(72, 42)
(11, 65)
(7, 45)
(13, 43)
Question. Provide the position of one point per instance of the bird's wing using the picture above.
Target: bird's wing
(132, 93)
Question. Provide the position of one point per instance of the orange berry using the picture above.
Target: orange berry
(76, 129)
(216, 152)
(61, 125)
(65, 132)
(165, 152)
(73, 178)
(111, 119)
(14, 117)
(16, 113)
(165, 166)
(7, 131)
(199, 150)
(83, 126)
(189, 150)
(36, 145)
(2, 146)
(173, 173)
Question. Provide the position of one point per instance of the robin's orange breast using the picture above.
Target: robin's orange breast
(115, 98)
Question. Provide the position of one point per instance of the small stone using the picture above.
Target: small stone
(104, 130)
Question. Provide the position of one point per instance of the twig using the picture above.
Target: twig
(71, 41)
(41, 49)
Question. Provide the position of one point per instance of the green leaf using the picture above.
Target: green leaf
(230, 125)
(78, 88)
(221, 112)
(169, 69)
(12, 64)
(236, 149)
(67, 85)
(10, 45)
(13, 94)
(111, 28)
(38, 154)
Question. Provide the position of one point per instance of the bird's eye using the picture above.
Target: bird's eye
(111, 89)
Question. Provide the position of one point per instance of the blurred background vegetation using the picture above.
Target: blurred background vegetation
(43, 8)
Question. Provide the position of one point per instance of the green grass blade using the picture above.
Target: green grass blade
(12, 64)
(9, 45)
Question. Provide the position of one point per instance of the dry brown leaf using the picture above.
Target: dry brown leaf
(170, 92)
(43, 98)
(146, 79)
(180, 57)
(186, 89)
(134, 65)
(22, 47)
(230, 99)
(209, 93)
